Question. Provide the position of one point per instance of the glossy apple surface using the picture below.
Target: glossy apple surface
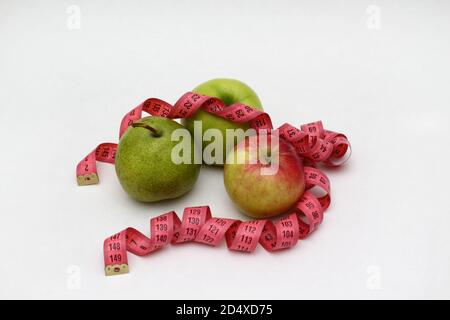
(262, 195)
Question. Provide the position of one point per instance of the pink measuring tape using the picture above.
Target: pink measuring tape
(311, 141)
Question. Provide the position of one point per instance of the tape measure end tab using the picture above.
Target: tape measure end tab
(87, 179)
(116, 269)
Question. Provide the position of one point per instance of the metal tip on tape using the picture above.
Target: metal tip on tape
(116, 269)
(87, 179)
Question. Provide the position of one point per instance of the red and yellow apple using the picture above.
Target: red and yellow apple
(264, 179)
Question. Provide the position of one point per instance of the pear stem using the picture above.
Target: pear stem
(152, 130)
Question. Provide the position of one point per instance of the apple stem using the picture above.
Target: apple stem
(152, 130)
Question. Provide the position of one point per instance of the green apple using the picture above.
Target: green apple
(267, 181)
(229, 91)
(144, 162)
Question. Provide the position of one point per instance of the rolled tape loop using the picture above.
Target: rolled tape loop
(311, 141)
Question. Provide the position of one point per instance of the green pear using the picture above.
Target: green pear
(229, 91)
(144, 163)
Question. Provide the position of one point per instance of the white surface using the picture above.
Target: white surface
(64, 91)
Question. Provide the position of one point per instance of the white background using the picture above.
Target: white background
(384, 82)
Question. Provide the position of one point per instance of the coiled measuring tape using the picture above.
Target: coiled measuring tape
(311, 141)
